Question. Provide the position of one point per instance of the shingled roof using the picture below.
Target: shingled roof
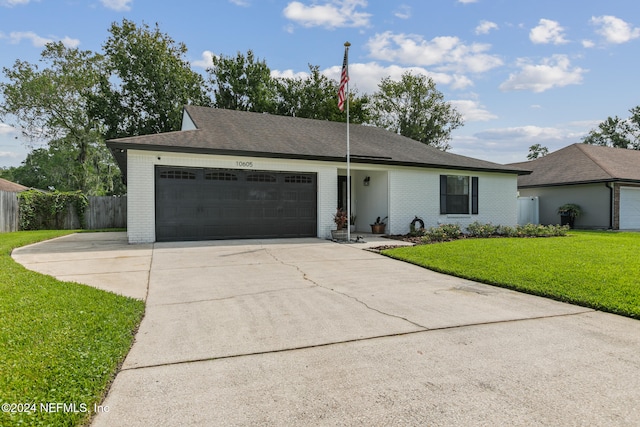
(11, 187)
(240, 133)
(581, 164)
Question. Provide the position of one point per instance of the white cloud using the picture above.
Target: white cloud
(206, 60)
(365, 77)
(485, 27)
(446, 53)
(36, 40)
(522, 133)
(11, 3)
(615, 30)
(118, 5)
(243, 3)
(472, 111)
(332, 14)
(546, 32)
(555, 71)
(69, 42)
(403, 12)
(39, 41)
(588, 44)
(5, 129)
(467, 1)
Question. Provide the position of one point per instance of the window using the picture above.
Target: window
(220, 176)
(298, 179)
(177, 174)
(458, 194)
(261, 177)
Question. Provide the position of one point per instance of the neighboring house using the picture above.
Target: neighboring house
(603, 181)
(11, 187)
(233, 174)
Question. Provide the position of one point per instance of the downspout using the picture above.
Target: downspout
(611, 187)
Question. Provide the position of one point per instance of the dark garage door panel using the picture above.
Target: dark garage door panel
(203, 204)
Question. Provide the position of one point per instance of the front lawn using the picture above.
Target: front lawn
(61, 343)
(593, 269)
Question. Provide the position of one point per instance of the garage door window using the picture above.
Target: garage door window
(177, 174)
(220, 176)
(261, 177)
(298, 179)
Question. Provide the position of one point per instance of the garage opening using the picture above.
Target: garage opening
(211, 204)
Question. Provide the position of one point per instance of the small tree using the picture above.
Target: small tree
(536, 151)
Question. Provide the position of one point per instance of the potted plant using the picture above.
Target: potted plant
(340, 219)
(568, 213)
(378, 226)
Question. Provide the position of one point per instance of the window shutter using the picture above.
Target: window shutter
(443, 194)
(474, 195)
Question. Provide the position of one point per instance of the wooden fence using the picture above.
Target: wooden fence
(106, 212)
(102, 212)
(8, 211)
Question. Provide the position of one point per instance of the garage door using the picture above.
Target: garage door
(207, 204)
(629, 208)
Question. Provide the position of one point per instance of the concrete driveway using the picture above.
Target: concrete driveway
(310, 332)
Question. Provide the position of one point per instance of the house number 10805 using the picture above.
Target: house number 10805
(244, 164)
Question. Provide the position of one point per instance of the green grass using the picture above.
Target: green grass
(60, 342)
(600, 270)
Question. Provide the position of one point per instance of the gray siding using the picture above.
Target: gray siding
(594, 199)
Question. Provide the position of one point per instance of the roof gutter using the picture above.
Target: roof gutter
(361, 159)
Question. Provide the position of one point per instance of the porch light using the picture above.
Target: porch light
(366, 181)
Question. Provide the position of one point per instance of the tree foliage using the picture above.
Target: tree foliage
(617, 132)
(55, 167)
(315, 97)
(414, 108)
(537, 150)
(242, 83)
(49, 102)
(146, 83)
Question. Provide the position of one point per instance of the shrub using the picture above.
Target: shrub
(447, 232)
(46, 211)
(477, 229)
(442, 233)
(536, 230)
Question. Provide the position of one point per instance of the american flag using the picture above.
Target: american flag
(344, 78)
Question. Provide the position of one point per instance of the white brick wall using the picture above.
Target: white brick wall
(417, 192)
(141, 185)
(409, 191)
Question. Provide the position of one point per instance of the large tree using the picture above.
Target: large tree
(617, 132)
(315, 97)
(242, 83)
(49, 103)
(147, 82)
(413, 107)
(56, 168)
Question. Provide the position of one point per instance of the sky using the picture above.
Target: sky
(520, 72)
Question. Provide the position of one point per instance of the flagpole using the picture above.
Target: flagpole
(346, 47)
